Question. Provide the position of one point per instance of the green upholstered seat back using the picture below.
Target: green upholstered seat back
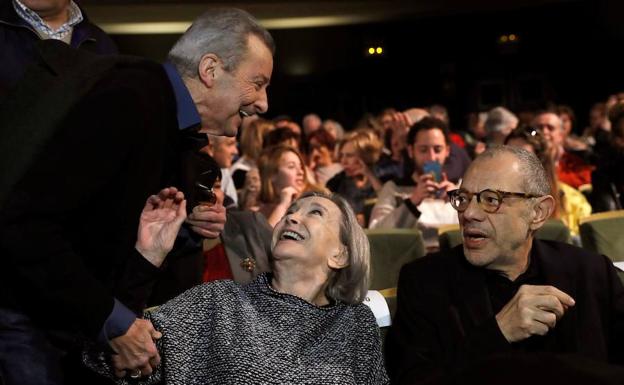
(390, 250)
(604, 234)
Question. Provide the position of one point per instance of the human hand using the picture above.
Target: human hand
(426, 187)
(401, 122)
(208, 221)
(444, 187)
(533, 310)
(159, 224)
(288, 195)
(136, 349)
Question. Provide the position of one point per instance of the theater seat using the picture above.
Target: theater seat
(390, 250)
(604, 234)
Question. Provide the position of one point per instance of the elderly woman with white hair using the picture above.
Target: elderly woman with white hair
(499, 123)
(303, 323)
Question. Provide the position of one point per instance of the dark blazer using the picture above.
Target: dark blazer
(86, 145)
(444, 319)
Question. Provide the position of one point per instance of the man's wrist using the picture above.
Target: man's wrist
(117, 323)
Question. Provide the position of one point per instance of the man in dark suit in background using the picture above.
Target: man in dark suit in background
(503, 292)
(86, 139)
(25, 22)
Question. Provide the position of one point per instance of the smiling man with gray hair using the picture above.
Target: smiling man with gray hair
(64, 247)
(503, 291)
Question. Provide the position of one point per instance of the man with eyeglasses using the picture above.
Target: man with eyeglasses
(503, 293)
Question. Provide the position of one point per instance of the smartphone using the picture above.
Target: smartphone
(434, 168)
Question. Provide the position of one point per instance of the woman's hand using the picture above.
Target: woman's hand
(160, 222)
(287, 195)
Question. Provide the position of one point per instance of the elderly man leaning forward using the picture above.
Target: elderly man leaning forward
(85, 139)
(503, 291)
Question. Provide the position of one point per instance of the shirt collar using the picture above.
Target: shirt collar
(188, 116)
(35, 21)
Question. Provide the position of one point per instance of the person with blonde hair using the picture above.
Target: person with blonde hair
(283, 178)
(359, 152)
(251, 144)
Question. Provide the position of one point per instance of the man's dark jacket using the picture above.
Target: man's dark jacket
(18, 44)
(86, 139)
(444, 319)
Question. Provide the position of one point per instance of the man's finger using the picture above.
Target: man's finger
(155, 361)
(156, 335)
(146, 370)
(539, 328)
(181, 213)
(205, 233)
(550, 303)
(563, 297)
(547, 318)
(120, 373)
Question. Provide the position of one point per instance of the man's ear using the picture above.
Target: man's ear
(209, 64)
(543, 209)
(340, 260)
(210, 148)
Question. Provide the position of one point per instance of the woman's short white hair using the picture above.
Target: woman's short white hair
(350, 283)
(221, 31)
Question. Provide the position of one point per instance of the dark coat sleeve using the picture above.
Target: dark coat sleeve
(69, 225)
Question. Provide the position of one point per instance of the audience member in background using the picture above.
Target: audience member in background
(311, 123)
(282, 136)
(23, 23)
(499, 123)
(249, 198)
(568, 120)
(283, 178)
(476, 136)
(599, 126)
(503, 292)
(223, 149)
(357, 183)
(251, 145)
(284, 121)
(608, 178)
(398, 164)
(321, 149)
(570, 204)
(334, 128)
(419, 200)
(385, 119)
(304, 323)
(440, 112)
(570, 168)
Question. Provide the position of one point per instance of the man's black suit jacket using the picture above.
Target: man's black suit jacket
(444, 320)
(86, 141)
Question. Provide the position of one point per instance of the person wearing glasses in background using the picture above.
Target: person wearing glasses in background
(504, 293)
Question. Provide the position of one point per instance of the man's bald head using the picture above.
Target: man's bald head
(535, 180)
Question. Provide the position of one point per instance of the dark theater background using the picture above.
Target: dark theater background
(466, 55)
